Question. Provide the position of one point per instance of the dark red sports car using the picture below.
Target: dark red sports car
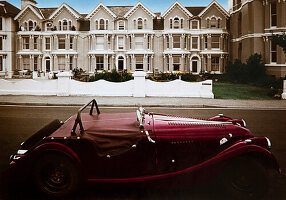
(144, 147)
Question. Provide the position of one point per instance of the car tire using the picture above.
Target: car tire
(245, 178)
(56, 175)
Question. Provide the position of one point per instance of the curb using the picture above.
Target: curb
(146, 105)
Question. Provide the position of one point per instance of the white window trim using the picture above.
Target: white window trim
(118, 43)
(173, 42)
(198, 42)
(271, 43)
(119, 23)
(27, 21)
(219, 38)
(173, 22)
(45, 43)
(191, 27)
(270, 7)
(46, 27)
(62, 24)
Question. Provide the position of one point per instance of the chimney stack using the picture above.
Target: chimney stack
(24, 3)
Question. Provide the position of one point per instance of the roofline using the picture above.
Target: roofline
(139, 3)
(68, 7)
(177, 3)
(216, 3)
(106, 8)
(31, 7)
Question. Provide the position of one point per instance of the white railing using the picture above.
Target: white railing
(139, 87)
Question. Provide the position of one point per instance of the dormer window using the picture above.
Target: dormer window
(176, 23)
(101, 24)
(65, 25)
(49, 26)
(195, 24)
(213, 22)
(121, 25)
(140, 23)
(30, 25)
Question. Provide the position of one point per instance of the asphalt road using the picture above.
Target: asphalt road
(18, 123)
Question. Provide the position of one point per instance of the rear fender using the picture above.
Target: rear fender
(253, 150)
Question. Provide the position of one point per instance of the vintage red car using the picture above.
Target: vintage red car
(144, 147)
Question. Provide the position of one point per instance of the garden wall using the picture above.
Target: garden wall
(139, 87)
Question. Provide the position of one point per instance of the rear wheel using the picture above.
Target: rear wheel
(56, 175)
(245, 178)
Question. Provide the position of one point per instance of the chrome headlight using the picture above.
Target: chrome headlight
(268, 142)
(244, 123)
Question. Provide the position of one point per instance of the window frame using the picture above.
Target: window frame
(198, 43)
(216, 42)
(273, 14)
(176, 42)
(118, 43)
(120, 27)
(99, 62)
(138, 62)
(61, 41)
(272, 51)
(197, 21)
(49, 43)
(215, 65)
(26, 42)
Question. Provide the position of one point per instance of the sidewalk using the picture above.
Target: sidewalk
(147, 102)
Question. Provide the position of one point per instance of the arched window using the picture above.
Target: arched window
(96, 25)
(121, 25)
(182, 23)
(145, 23)
(60, 25)
(65, 25)
(70, 25)
(176, 23)
(208, 23)
(213, 22)
(140, 23)
(171, 23)
(101, 24)
(134, 23)
(31, 25)
(218, 23)
(106, 24)
(26, 26)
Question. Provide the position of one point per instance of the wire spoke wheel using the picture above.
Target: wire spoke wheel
(56, 175)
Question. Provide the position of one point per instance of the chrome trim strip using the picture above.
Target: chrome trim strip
(268, 142)
(21, 152)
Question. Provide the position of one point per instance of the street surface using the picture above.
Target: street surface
(17, 123)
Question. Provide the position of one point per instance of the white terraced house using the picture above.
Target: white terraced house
(187, 39)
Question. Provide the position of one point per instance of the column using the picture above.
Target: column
(67, 63)
(20, 43)
(40, 63)
(145, 62)
(75, 42)
(89, 43)
(221, 63)
(171, 41)
(127, 62)
(145, 42)
(209, 41)
(164, 63)
(31, 42)
(133, 61)
(164, 42)
(56, 67)
(67, 42)
(89, 64)
(112, 61)
(133, 41)
(55, 42)
(31, 62)
(221, 42)
(182, 41)
(112, 44)
(151, 63)
(93, 66)
(21, 62)
(105, 43)
(105, 66)
(171, 67)
(182, 62)
(74, 61)
(209, 63)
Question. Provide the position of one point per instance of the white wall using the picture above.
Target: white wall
(65, 86)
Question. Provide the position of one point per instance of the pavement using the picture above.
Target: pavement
(147, 102)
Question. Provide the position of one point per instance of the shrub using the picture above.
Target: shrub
(113, 76)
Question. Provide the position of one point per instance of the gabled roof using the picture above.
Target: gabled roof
(195, 10)
(7, 9)
(139, 4)
(120, 11)
(220, 8)
(47, 12)
(182, 8)
(70, 9)
(96, 9)
(34, 9)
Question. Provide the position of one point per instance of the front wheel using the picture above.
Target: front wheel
(56, 175)
(245, 178)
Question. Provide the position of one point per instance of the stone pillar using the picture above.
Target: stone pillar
(67, 42)
(56, 67)
(21, 43)
(64, 81)
(133, 61)
(170, 41)
(182, 63)
(145, 42)
(221, 42)
(284, 90)
(139, 84)
(67, 63)
(40, 63)
(31, 42)
(21, 62)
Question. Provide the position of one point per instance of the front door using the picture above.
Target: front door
(120, 63)
(195, 66)
(48, 65)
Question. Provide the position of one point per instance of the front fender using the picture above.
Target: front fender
(22, 168)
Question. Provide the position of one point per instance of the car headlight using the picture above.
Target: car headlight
(268, 142)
